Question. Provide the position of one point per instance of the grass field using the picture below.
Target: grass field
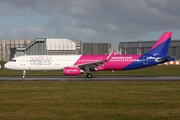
(89, 100)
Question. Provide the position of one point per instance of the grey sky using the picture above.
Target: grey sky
(89, 20)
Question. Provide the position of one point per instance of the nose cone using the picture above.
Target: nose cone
(7, 66)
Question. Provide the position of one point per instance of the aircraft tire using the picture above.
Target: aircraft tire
(89, 75)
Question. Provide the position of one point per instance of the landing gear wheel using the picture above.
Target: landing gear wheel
(24, 74)
(89, 75)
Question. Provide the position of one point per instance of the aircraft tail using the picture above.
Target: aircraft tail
(161, 46)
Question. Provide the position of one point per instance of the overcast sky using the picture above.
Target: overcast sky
(89, 20)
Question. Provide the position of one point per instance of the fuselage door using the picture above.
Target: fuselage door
(145, 60)
(23, 61)
(57, 61)
(99, 58)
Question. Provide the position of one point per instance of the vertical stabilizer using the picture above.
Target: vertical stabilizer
(161, 46)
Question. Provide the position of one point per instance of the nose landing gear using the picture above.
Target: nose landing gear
(24, 74)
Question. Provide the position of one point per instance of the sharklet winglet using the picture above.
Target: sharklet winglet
(110, 55)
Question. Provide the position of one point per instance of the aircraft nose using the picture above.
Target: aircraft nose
(7, 66)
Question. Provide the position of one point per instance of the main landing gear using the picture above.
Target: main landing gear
(89, 75)
(24, 74)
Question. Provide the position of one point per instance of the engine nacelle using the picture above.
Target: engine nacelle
(70, 71)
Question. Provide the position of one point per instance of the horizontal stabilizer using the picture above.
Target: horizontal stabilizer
(166, 59)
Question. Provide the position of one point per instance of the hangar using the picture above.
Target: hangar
(47, 46)
(7, 47)
(57, 46)
(96, 48)
(141, 47)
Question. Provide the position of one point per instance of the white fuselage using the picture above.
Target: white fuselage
(35, 62)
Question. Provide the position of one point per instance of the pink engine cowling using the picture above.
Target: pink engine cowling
(70, 71)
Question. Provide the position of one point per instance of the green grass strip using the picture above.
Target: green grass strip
(90, 100)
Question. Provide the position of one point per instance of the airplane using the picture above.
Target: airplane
(78, 64)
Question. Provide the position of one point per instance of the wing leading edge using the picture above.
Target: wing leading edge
(94, 65)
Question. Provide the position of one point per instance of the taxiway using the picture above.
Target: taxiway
(95, 78)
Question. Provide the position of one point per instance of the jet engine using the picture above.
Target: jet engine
(70, 71)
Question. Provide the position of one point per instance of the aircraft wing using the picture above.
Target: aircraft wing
(93, 65)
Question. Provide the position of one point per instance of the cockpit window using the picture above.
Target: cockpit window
(13, 60)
